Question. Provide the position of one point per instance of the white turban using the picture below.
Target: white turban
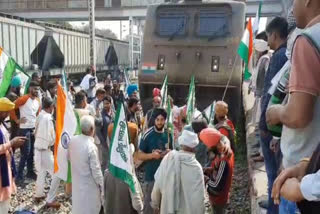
(189, 139)
(260, 45)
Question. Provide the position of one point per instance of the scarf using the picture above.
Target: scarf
(4, 165)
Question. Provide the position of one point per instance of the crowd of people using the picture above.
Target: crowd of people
(182, 170)
(286, 87)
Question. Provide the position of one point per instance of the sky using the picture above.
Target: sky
(114, 26)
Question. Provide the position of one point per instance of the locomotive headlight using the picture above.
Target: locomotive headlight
(161, 62)
(215, 64)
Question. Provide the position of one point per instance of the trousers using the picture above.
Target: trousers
(44, 163)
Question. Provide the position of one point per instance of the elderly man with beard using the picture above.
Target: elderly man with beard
(179, 181)
(154, 145)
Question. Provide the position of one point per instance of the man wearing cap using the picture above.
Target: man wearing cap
(7, 165)
(132, 91)
(179, 181)
(149, 119)
(219, 175)
(222, 123)
(15, 86)
(154, 145)
(29, 108)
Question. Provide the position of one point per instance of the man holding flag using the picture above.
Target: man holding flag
(154, 145)
(122, 188)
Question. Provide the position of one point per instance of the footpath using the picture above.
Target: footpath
(258, 177)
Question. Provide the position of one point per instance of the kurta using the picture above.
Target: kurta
(118, 197)
(87, 178)
(179, 185)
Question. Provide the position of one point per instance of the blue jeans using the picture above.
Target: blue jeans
(287, 207)
(272, 162)
(27, 153)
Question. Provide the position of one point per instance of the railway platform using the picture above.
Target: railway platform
(257, 172)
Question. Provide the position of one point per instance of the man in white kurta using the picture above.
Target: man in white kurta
(43, 156)
(87, 179)
(179, 182)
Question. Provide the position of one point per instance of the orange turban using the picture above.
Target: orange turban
(210, 137)
(133, 131)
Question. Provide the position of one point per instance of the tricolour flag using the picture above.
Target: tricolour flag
(245, 49)
(191, 101)
(66, 125)
(209, 113)
(164, 92)
(255, 26)
(121, 161)
(8, 67)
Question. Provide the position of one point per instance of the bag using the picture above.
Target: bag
(92, 82)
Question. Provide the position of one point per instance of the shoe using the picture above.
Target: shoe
(39, 199)
(264, 204)
(54, 205)
(31, 175)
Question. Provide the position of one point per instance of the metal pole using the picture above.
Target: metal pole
(91, 7)
(131, 41)
(120, 30)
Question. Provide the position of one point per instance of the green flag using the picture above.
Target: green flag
(255, 26)
(191, 101)
(164, 92)
(170, 120)
(8, 67)
(121, 161)
(208, 113)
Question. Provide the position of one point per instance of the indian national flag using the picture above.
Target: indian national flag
(164, 92)
(245, 50)
(191, 101)
(66, 125)
(121, 161)
(255, 26)
(7, 69)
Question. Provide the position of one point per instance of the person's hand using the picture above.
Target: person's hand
(17, 142)
(21, 121)
(291, 191)
(272, 115)
(164, 153)
(206, 179)
(227, 151)
(207, 171)
(275, 145)
(156, 154)
(277, 185)
(156, 211)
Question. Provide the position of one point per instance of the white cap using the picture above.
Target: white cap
(260, 45)
(189, 139)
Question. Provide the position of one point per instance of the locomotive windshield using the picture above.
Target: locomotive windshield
(212, 24)
(171, 24)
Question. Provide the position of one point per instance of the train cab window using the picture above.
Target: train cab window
(171, 24)
(211, 24)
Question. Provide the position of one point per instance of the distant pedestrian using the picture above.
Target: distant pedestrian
(89, 82)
